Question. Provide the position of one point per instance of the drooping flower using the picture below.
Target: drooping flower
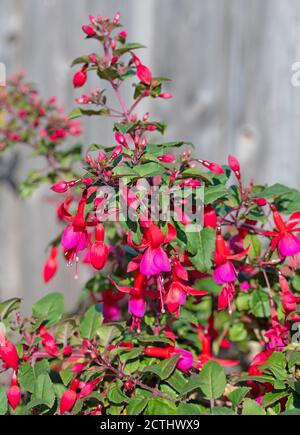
(14, 392)
(177, 293)
(185, 361)
(225, 272)
(154, 259)
(48, 342)
(288, 299)
(137, 302)
(8, 352)
(69, 398)
(284, 239)
(51, 265)
(99, 250)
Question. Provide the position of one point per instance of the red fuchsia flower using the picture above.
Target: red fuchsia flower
(185, 362)
(48, 342)
(69, 398)
(14, 392)
(284, 239)
(212, 166)
(51, 265)
(111, 309)
(154, 259)
(225, 271)
(80, 78)
(137, 302)
(8, 352)
(288, 299)
(87, 388)
(235, 166)
(178, 292)
(206, 338)
(99, 251)
(210, 217)
(120, 138)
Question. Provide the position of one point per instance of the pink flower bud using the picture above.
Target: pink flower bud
(89, 31)
(261, 202)
(93, 58)
(117, 18)
(167, 158)
(120, 138)
(101, 156)
(60, 187)
(235, 166)
(151, 127)
(113, 44)
(92, 19)
(166, 95)
(114, 60)
(67, 401)
(123, 36)
(79, 79)
(144, 74)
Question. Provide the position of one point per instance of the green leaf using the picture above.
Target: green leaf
(294, 359)
(201, 246)
(125, 48)
(91, 322)
(271, 398)
(251, 407)
(213, 193)
(238, 332)
(136, 405)
(190, 409)
(255, 246)
(7, 307)
(222, 411)
(276, 364)
(44, 393)
(212, 380)
(115, 394)
(165, 368)
(78, 113)
(26, 377)
(150, 169)
(238, 395)
(3, 401)
(107, 333)
(50, 308)
(192, 384)
(131, 354)
(259, 304)
(159, 406)
(80, 60)
(177, 381)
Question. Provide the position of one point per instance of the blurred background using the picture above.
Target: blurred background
(231, 64)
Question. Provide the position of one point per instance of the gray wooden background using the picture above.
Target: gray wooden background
(231, 65)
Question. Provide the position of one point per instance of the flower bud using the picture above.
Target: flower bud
(60, 187)
(166, 95)
(120, 138)
(144, 74)
(79, 79)
(89, 31)
(167, 158)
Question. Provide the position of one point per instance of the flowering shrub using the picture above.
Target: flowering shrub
(192, 304)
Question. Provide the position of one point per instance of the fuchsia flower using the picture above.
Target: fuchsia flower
(69, 398)
(287, 243)
(48, 342)
(111, 309)
(14, 392)
(137, 302)
(51, 265)
(185, 362)
(154, 259)
(288, 299)
(178, 292)
(225, 272)
(99, 251)
(8, 352)
(80, 78)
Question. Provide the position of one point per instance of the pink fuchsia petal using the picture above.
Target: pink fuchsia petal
(111, 313)
(70, 238)
(147, 266)
(137, 306)
(225, 273)
(289, 245)
(186, 360)
(161, 260)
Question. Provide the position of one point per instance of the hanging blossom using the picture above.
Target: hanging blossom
(225, 272)
(284, 239)
(154, 259)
